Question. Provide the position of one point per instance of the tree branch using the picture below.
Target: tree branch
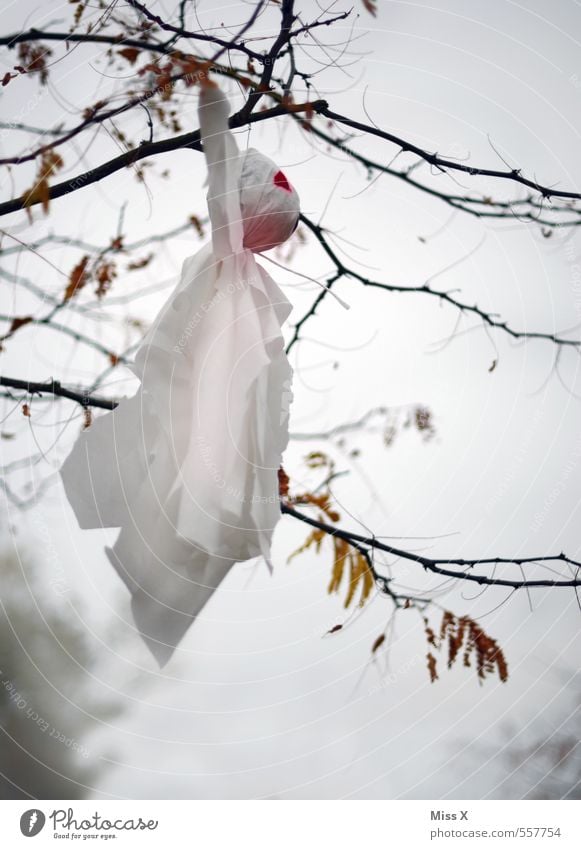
(185, 141)
(526, 209)
(33, 34)
(54, 387)
(439, 565)
(341, 270)
(513, 175)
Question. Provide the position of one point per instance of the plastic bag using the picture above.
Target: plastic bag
(188, 467)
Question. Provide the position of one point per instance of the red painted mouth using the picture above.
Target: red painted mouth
(281, 181)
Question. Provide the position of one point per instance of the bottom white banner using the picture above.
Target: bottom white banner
(264, 824)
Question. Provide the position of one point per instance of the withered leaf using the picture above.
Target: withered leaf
(139, 263)
(105, 273)
(283, 483)
(130, 53)
(378, 643)
(197, 225)
(19, 322)
(77, 278)
(432, 667)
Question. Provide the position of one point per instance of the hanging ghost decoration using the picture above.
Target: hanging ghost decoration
(187, 468)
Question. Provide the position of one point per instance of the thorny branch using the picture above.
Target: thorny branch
(53, 387)
(513, 175)
(185, 141)
(439, 566)
(342, 270)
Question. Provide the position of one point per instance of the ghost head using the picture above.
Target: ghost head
(268, 202)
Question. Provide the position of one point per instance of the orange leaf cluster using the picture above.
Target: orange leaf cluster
(105, 272)
(322, 501)
(359, 572)
(346, 558)
(191, 70)
(163, 77)
(463, 637)
(315, 538)
(33, 59)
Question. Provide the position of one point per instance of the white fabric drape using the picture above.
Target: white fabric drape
(187, 468)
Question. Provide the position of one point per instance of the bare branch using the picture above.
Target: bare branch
(513, 175)
(488, 318)
(54, 387)
(119, 41)
(438, 565)
(185, 141)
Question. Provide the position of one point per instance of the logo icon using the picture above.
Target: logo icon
(32, 822)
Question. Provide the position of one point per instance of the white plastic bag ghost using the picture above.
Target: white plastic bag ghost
(188, 467)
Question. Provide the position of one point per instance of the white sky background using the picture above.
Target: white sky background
(255, 701)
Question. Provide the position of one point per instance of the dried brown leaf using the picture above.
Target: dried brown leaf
(78, 278)
(378, 643)
(432, 667)
(130, 53)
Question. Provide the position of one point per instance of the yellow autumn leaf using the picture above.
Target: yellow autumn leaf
(315, 538)
(40, 193)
